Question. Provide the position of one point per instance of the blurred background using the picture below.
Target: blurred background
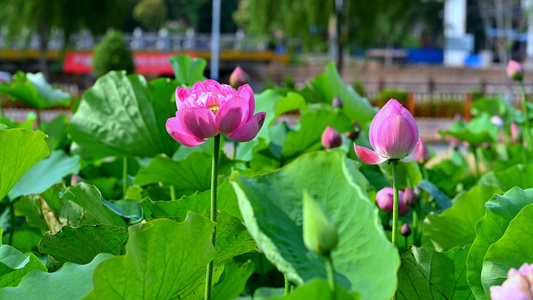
(439, 54)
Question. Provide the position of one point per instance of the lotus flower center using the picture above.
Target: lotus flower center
(214, 108)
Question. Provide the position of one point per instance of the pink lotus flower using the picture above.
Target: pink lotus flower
(209, 109)
(331, 138)
(423, 153)
(238, 77)
(385, 200)
(406, 230)
(518, 286)
(393, 134)
(515, 70)
(516, 134)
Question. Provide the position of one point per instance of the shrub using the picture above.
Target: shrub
(112, 53)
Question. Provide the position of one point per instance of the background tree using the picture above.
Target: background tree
(36, 16)
(152, 14)
(112, 53)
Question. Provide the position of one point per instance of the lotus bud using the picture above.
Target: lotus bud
(458, 118)
(406, 230)
(485, 145)
(352, 135)
(320, 234)
(516, 135)
(238, 78)
(410, 197)
(385, 200)
(496, 120)
(331, 138)
(393, 135)
(515, 71)
(337, 102)
(423, 153)
(519, 285)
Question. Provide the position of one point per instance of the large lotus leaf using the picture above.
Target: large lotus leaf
(312, 125)
(233, 280)
(187, 176)
(317, 289)
(518, 175)
(292, 101)
(161, 258)
(72, 281)
(28, 124)
(513, 249)
(15, 265)
(56, 131)
(82, 244)
(124, 115)
(34, 90)
(426, 274)
(456, 226)
(188, 70)
(330, 84)
(271, 205)
(46, 173)
(440, 197)
(478, 131)
(501, 210)
(198, 202)
(20, 149)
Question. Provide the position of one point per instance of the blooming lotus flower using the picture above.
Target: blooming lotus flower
(331, 138)
(518, 286)
(385, 200)
(515, 70)
(211, 108)
(393, 134)
(423, 153)
(238, 77)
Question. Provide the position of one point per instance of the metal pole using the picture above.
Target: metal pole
(215, 40)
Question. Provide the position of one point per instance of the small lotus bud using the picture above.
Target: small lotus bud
(352, 135)
(458, 117)
(406, 230)
(516, 135)
(238, 77)
(485, 145)
(496, 120)
(519, 285)
(385, 201)
(423, 153)
(320, 234)
(337, 102)
(515, 71)
(331, 138)
(410, 197)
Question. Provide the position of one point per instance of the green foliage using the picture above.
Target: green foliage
(271, 205)
(112, 54)
(188, 70)
(478, 131)
(392, 93)
(19, 151)
(14, 266)
(152, 14)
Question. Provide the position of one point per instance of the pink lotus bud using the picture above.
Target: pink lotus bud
(516, 135)
(423, 153)
(331, 138)
(410, 197)
(211, 108)
(406, 230)
(496, 120)
(515, 70)
(485, 145)
(393, 135)
(352, 135)
(385, 200)
(337, 102)
(519, 285)
(238, 77)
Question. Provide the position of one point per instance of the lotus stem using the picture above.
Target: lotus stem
(527, 135)
(476, 162)
(172, 193)
(12, 220)
(331, 276)
(287, 285)
(124, 176)
(213, 214)
(396, 201)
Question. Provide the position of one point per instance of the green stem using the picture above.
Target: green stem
(234, 150)
(213, 213)
(12, 219)
(172, 193)
(124, 176)
(476, 162)
(527, 135)
(414, 230)
(396, 203)
(287, 285)
(331, 276)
